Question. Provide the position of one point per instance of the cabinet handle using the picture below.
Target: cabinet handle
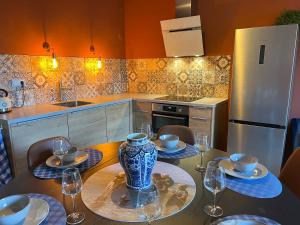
(200, 107)
(200, 118)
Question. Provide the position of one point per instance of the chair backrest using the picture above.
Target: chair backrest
(185, 134)
(295, 133)
(289, 175)
(41, 150)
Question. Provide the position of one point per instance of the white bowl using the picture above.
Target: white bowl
(243, 163)
(169, 141)
(14, 209)
(71, 155)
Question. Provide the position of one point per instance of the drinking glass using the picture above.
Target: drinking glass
(59, 149)
(149, 205)
(72, 185)
(214, 181)
(147, 129)
(202, 145)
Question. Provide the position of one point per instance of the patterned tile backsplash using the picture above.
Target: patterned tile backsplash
(192, 76)
(80, 77)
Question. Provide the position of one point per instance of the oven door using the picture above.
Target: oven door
(159, 120)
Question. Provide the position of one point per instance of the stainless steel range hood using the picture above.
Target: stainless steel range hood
(183, 36)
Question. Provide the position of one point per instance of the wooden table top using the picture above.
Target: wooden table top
(283, 209)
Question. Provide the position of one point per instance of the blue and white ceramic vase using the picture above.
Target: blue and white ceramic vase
(137, 157)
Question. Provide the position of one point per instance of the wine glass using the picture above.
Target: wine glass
(149, 205)
(59, 149)
(72, 185)
(202, 145)
(214, 181)
(147, 129)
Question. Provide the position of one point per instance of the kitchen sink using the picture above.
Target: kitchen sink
(72, 103)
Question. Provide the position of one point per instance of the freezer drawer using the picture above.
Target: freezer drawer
(267, 144)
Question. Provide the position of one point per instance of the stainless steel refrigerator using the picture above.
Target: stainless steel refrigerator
(263, 69)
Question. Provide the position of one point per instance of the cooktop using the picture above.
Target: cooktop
(179, 98)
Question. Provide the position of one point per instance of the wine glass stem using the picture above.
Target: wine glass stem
(201, 159)
(214, 204)
(61, 160)
(73, 203)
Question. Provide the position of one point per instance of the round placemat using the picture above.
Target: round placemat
(105, 192)
(45, 172)
(189, 151)
(260, 219)
(57, 214)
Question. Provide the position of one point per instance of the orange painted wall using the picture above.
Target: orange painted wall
(219, 20)
(67, 24)
(143, 38)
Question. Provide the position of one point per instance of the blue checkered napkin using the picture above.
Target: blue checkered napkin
(248, 217)
(45, 172)
(57, 213)
(189, 151)
(267, 187)
(5, 172)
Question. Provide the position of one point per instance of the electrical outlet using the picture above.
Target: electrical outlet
(16, 84)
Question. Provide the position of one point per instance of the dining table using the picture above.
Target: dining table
(283, 209)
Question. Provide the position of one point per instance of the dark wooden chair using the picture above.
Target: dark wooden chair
(185, 134)
(289, 175)
(41, 150)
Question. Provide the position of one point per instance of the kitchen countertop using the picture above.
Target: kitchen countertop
(44, 110)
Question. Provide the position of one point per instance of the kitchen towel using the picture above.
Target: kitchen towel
(45, 172)
(5, 171)
(189, 151)
(57, 214)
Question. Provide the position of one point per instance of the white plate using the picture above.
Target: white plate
(239, 222)
(180, 146)
(54, 162)
(38, 211)
(259, 172)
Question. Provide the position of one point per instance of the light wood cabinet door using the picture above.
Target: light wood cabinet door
(141, 114)
(200, 120)
(26, 133)
(87, 127)
(118, 122)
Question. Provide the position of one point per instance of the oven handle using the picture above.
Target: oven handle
(172, 117)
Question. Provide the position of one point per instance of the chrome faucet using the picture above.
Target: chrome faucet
(62, 89)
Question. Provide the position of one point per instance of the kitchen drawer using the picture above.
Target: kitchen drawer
(118, 119)
(201, 125)
(87, 127)
(26, 133)
(200, 113)
(144, 107)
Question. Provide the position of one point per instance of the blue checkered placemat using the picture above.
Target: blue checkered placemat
(57, 213)
(45, 172)
(267, 187)
(189, 151)
(247, 217)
